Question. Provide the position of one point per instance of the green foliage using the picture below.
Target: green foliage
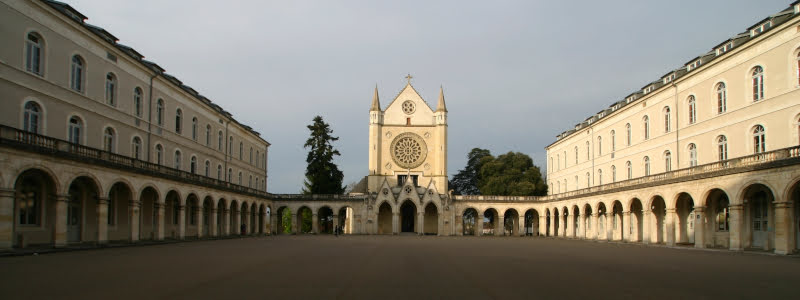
(286, 220)
(465, 182)
(322, 175)
(305, 225)
(511, 174)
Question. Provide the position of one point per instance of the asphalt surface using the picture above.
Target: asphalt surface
(398, 267)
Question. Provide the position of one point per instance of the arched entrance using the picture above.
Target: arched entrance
(548, 220)
(684, 208)
(304, 219)
(511, 222)
(588, 228)
(325, 220)
(556, 222)
(658, 210)
(172, 211)
(531, 222)
(284, 220)
(489, 222)
(618, 233)
(758, 199)
(244, 213)
(718, 214)
(573, 225)
(469, 222)
(82, 218)
(35, 216)
(119, 217)
(221, 214)
(431, 222)
(408, 216)
(345, 219)
(191, 214)
(205, 222)
(253, 219)
(385, 219)
(637, 221)
(600, 229)
(148, 224)
(795, 199)
(565, 217)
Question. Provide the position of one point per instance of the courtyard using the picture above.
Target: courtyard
(397, 267)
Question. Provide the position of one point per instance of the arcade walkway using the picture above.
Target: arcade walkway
(397, 267)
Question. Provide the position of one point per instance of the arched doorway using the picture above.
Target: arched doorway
(304, 219)
(511, 222)
(564, 221)
(556, 222)
(636, 231)
(431, 222)
(233, 218)
(469, 222)
(658, 210)
(684, 208)
(602, 233)
(221, 214)
(253, 219)
(35, 214)
(325, 220)
(119, 216)
(345, 219)
(531, 222)
(718, 214)
(244, 213)
(205, 222)
(82, 218)
(172, 213)
(408, 216)
(618, 233)
(490, 222)
(284, 220)
(576, 214)
(758, 199)
(385, 219)
(547, 219)
(192, 214)
(588, 228)
(148, 226)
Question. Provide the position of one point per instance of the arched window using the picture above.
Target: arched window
(565, 157)
(258, 182)
(576, 156)
(576, 182)
(759, 139)
(250, 182)
(193, 165)
(160, 112)
(758, 83)
(194, 129)
(588, 180)
(667, 161)
(692, 155)
(108, 139)
(178, 120)
(257, 157)
(230, 175)
(33, 53)
(240, 178)
(159, 154)
(208, 168)
(723, 214)
(33, 117)
(241, 151)
(599, 177)
(137, 102)
(251, 155)
(613, 174)
(219, 172)
(722, 147)
(646, 166)
(136, 147)
(230, 146)
(646, 123)
(588, 151)
(667, 119)
(75, 130)
(208, 135)
(111, 89)
(692, 110)
(219, 140)
(722, 98)
(628, 130)
(629, 168)
(599, 146)
(178, 159)
(77, 74)
(613, 141)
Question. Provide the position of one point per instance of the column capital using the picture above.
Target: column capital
(62, 197)
(670, 210)
(626, 213)
(7, 192)
(736, 207)
(700, 208)
(782, 204)
(102, 200)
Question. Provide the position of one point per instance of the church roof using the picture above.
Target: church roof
(440, 106)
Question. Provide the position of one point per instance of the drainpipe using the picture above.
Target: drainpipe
(150, 115)
(677, 128)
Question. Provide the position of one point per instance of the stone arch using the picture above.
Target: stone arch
(280, 225)
(192, 209)
(717, 214)
(636, 222)
(575, 219)
(205, 219)
(385, 217)
(588, 226)
(325, 219)
(304, 219)
(149, 202)
(617, 230)
(657, 224)
(685, 223)
(490, 222)
(759, 216)
(82, 207)
(430, 224)
(408, 216)
(469, 221)
(154, 188)
(35, 193)
(511, 222)
(346, 219)
(121, 224)
(532, 222)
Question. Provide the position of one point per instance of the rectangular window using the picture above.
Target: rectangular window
(401, 179)
(29, 209)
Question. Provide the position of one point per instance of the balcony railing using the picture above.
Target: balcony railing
(38, 143)
(775, 158)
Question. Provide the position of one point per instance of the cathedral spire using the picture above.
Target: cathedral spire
(376, 104)
(440, 106)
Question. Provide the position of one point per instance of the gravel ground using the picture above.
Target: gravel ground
(398, 267)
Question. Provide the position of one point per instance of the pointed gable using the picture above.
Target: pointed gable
(398, 112)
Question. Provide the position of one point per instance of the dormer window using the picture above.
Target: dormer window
(694, 65)
(762, 28)
(725, 48)
(649, 89)
(669, 78)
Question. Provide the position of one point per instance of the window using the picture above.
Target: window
(33, 116)
(722, 98)
(588, 152)
(76, 74)
(230, 175)
(599, 177)
(33, 54)
(646, 122)
(29, 202)
(240, 178)
(667, 161)
(588, 180)
(230, 145)
(137, 102)
(177, 159)
(576, 155)
(194, 129)
(630, 169)
(692, 110)
(723, 214)
(136, 147)
(628, 130)
(178, 119)
(111, 89)
(692, 155)
(759, 139)
(613, 141)
(613, 174)
(108, 139)
(75, 130)
(208, 135)
(208, 168)
(219, 140)
(257, 156)
(250, 182)
(159, 154)
(599, 146)
(160, 112)
(758, 83)
(667, 119)
(251, 155)
(722, 147)
(241, 151)
(193, 165)
(219, 172)
(646, 166)
(111, 210)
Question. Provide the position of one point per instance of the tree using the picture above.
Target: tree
(511, 174)
(322, 175)
(465, 182)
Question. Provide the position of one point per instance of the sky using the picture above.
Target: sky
(515, 73)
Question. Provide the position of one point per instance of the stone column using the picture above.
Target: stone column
(315, 223)
(395, 223)
(181, 221)
(295, 226)
(562, 225)
(736, 223)
(700, 227)
(264, 222)
(610, 226)
(552, 227)
(479, 225)
(246, 221)
(6, 219)
(421, 223)
(500, 226)
(60, 226)
(521, 226)
(134, 208)
(595, 233)
(159, 207)
(669, 219)
(625, 233)
(102, 220)
(581, 227)
(543, 225)
(783, 227)
(459, 226)
(212, 223)
(199, 217)
(646, 219)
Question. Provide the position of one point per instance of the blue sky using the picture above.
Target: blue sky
(515, 73)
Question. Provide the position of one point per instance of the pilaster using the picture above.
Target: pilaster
(212, 230)
(102, 220)
(315, 223)
(783, 228)
(670, 230)
(500, 226)
(479, 225)
(395, 223)
(181, 221)
(735, 222)
(421, 223)
(646, 219)
(134, 207)
(625, 232)
(159, 207)
(60, 226)
(700, 227)
(6, 218)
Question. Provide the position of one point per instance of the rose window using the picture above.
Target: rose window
(408, 107)
(408, 150)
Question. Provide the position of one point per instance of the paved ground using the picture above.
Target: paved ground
(397, 267)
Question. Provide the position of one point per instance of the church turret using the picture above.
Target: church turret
(376, 104)
(440, 106)
(441, 132)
